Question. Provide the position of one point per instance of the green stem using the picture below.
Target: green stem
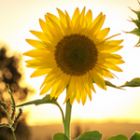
(13, 134)
(9, 119)
(63, 119)
(67, 119)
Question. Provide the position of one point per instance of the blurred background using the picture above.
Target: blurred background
(111, 112)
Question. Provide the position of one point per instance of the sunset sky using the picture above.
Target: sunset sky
(17, 17)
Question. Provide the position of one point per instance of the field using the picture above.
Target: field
(107, 129)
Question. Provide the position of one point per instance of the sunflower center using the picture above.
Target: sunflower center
(76, 54)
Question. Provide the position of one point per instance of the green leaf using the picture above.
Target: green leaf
(133, 83)
(16, 119)
(90, 135)
(111, 85)
(137, 13)
(60, 136)
(136, 31)
(4, 125)
(118, 137)
(137, 22)
(44, 100)
(135, 136)
(138, 43)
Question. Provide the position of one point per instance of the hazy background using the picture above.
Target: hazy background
(17, 17)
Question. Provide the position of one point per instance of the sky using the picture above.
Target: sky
(17, 17)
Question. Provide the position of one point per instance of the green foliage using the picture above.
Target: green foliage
(135, 136)
(16, 119)
(137, 13)
(90, 135)
(60, 136)
(111, 85)
(136, 31)
(12, 102)
(137, 22)
(4, 125)
(133, 83)
(3, 105)
(118, 137)
(12, 123)
(44, 100)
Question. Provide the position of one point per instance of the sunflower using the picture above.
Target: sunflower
(72, 53)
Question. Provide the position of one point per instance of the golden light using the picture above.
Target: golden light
(113, 104)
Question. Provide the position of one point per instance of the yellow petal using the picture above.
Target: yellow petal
(71, 85)
(98, 78)
(109, 55)
(114, 42)
(53, 74)
(35, 43)
(104, 58)
(72, 99)
(46, 87)
(115, 61)
(40, 46)
(40, 64)
(70, 89)
(88, 17)
(54, 18)
(75, 15)
(40, 35)
(68, 23)
(63, 84)
(93, 89)
(77, 90)
(81, 85)
(107, 48)
(45, 28)
(76, 27)
(40, 72)
(95, 20)
(96, 27)
(37, 53)
(62, 17)
(110, 66)
(57, 28)
(110, 37)
(108, 74)
(104, 71)
(103, 33)
(83, 97)
(113, 67)
(53, 90)
(88, 84)
(82, 14)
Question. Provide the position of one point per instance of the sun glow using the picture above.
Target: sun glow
(113, 104)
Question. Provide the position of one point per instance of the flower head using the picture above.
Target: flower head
(73, 53)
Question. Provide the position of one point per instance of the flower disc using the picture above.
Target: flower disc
(76, 54)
